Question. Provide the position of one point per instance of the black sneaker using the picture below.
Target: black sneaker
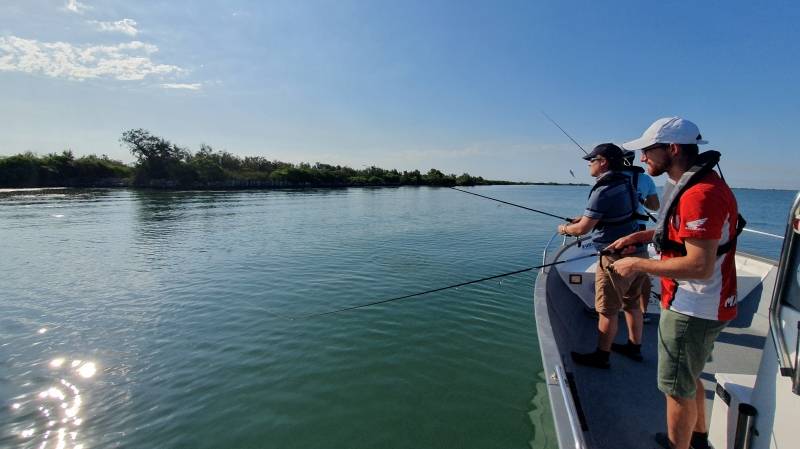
(628, 351)
(699, 441)
(663, 442)
(592, 359)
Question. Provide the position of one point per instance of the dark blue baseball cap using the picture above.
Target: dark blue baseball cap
(606, 150)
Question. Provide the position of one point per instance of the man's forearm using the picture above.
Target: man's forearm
(645, 236)
(698, 263)
(675, 268)
(580, 227)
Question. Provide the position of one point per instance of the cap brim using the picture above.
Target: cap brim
(702, 142)
(638, 144)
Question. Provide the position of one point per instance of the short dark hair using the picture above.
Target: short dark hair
(689, 150)
(616, 163)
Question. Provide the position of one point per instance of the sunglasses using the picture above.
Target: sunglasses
(654, 147)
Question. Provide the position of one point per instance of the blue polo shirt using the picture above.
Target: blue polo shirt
(613, 206)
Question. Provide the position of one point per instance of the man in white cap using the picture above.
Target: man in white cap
(696, 236)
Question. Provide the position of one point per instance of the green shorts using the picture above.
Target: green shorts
(684, 345)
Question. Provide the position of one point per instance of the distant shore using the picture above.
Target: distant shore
(233, 185)
(161, 164)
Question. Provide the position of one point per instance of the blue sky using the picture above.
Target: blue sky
(455, 85)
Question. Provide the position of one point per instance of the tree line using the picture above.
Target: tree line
(163, 164)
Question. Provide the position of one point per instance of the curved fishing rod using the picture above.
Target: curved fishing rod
(641, 201)
(383, 301)
(515, 205)
(565, 133)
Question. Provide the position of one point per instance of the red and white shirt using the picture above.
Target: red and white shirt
(706, 210)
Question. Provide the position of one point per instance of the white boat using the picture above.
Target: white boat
(752, 382)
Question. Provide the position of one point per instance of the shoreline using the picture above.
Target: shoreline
(168, 186)
(29, 189)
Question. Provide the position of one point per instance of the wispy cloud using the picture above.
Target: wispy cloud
(125, 26)
(125, 62)
(186, 86)
(76, 6)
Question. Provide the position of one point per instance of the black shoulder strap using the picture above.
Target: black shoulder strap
(680, 248)
(731, 243)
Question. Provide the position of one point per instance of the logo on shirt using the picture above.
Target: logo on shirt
(696, 225)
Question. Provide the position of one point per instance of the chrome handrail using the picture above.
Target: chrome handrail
(572, 412)
(546, 247)
(563, 243)
(784, 361)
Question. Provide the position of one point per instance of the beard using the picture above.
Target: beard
(655, 168)
(654, 171)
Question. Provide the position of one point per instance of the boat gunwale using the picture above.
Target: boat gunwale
(563, 408)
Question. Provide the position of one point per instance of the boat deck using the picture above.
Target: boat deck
(621, 407)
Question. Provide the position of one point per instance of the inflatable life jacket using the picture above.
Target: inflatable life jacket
(635, 171)
(703, 165)
(613, 179)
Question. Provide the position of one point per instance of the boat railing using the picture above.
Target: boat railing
(547, 246)
(563, 243)
(572, 411)
(788, 368)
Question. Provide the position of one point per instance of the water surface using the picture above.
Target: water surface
(157, 319)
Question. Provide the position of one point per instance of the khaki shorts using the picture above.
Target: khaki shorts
(613, 292)
(685, 344)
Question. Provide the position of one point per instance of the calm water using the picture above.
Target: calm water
(150, 319)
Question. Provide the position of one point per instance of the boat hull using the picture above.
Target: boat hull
(622, 407)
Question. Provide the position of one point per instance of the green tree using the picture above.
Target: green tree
(158, 158)
(436, 178)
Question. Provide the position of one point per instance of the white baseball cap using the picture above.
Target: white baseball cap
(667, 130)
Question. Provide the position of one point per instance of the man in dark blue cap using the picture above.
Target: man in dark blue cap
(610, 213)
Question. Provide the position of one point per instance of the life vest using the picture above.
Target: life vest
(635, 171)
(611, 180)
(703, 165)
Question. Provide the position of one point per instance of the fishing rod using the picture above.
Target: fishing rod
(767, 234)
(565, 133)
(515, 205)
(383, 301)
(641, 201)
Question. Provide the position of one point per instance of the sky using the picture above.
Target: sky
(455, 85)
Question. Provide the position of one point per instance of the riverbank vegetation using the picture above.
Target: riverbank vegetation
(163, 164)
(64, 169)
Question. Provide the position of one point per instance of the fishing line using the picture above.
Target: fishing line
(515, 205)
(383, 301)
